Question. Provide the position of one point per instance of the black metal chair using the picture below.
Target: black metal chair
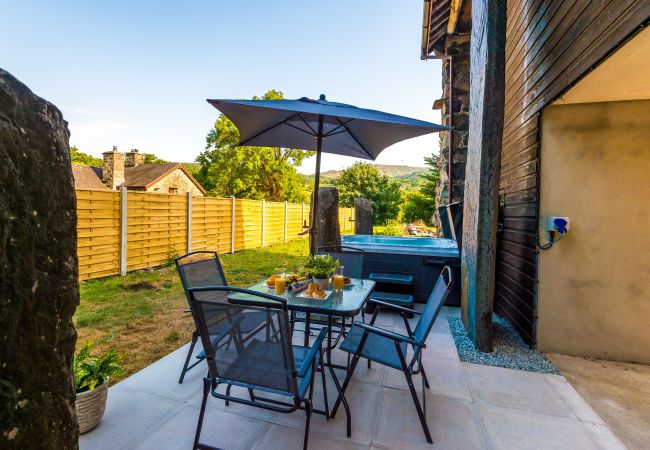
(390, 349)
(263, 359)
(200, 269)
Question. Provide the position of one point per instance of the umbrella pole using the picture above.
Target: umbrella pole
(313, 230)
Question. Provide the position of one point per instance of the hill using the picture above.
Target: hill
(407, 176)
(386, 169)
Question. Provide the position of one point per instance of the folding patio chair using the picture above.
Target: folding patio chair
(390, 349)
(199, 269)
(262, 360)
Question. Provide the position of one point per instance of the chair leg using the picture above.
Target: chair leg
(228, 393)
(206, 390)
(424, 376)
(195, 337)
(418, 408)
(308, 407)
(322, 373)
(348, 376)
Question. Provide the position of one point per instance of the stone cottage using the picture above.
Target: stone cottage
(130, 171)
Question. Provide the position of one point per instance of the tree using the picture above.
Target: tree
(250, 172)
(364, 180)
(79, 157)
(150, 158)
(421, 204)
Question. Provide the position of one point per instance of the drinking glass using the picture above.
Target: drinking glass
(338, 280)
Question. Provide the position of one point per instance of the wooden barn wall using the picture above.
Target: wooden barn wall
(549, 46)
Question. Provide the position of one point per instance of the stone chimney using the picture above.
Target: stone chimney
(134, 158)
(113, 170)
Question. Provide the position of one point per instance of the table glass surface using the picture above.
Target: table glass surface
(348, 302)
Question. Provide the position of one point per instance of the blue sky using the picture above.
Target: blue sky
(136, 74)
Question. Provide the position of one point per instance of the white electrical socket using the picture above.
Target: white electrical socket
(550, 223)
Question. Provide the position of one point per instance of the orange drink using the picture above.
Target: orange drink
(280, 285)
(338, 281)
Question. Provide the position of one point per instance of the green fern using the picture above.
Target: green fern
(91, 371)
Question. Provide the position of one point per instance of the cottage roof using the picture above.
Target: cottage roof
(142, 176)
(88, 177)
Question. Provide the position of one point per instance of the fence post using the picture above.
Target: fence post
(286, 218)
(302, 217)
(263, 211)
(123, 215)
(189, 222)
(232, 225)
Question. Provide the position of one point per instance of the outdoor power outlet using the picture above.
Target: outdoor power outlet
(557, 223)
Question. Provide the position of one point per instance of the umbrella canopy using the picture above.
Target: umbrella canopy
(322, 126)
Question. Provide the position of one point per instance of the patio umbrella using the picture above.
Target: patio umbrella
(322, 126)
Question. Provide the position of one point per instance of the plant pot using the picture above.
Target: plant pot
(90, 406)
(323, 283)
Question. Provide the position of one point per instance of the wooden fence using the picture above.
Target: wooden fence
(122, 230)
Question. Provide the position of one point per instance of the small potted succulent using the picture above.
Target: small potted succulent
(320, 267)
(92, 374)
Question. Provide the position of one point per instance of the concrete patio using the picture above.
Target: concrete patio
(468, 407)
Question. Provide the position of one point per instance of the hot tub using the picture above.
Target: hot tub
(422, 257)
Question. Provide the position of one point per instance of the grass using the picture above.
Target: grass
(143, 314)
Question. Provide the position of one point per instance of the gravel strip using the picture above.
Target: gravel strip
(509, 350)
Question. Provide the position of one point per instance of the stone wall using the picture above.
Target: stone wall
(457, 46)
(179, 180)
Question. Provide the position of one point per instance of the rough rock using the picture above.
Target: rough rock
(362, 216)
(39, 289)
(327, 219)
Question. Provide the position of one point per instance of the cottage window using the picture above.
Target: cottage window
(173, 190)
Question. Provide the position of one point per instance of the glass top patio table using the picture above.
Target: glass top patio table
(347, 303)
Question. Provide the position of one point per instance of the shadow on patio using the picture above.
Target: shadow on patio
(468, 407)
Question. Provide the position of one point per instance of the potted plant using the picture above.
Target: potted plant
(320, 267)
(92, 374)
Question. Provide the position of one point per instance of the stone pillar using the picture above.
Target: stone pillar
(362, 216)
(133, 158)
(39, 288)
(113, 169)
(483, 168)
(327, 219)
(457, 46)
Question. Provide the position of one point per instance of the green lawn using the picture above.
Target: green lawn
(142, 314)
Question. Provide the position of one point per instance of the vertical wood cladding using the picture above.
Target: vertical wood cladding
(549, 46)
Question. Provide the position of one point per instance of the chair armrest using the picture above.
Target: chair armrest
(389, 334)
(307, 362)
(391, 306)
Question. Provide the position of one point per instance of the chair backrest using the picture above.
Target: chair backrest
(434, 304)
(259, 357)
(350, 257)
(199, 269)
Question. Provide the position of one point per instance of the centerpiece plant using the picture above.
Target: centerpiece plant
(320, 267)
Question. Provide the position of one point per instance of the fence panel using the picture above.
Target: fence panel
(156, 227)
(248, 224)
(211, 224)
(98, 233)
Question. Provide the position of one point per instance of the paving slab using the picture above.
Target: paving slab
(279, 437)
(452, 423)
(516, 389)
(446, 378)
(130, 417)
(219, 429)
(509, 429)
